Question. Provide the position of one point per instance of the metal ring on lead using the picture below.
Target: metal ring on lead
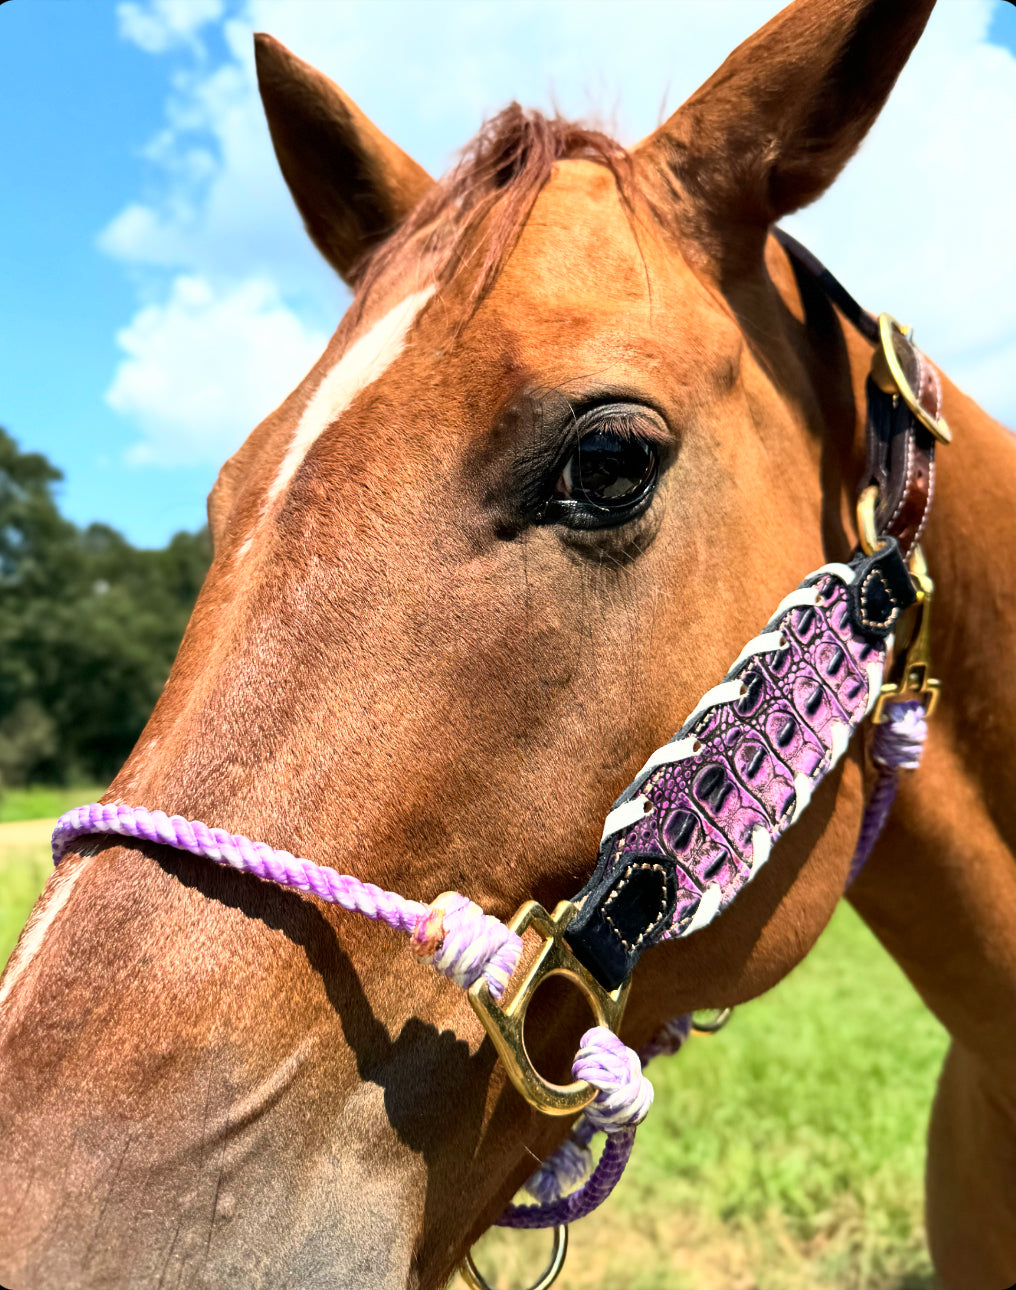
(716, 1023)
(867, 531)
(475, 1279)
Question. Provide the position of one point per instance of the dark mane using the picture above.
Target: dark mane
(495, 182)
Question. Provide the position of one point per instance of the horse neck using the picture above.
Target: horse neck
(940, 889)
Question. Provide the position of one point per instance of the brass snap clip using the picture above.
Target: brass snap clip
(911, 678)
(888, 374)
(504, 1021)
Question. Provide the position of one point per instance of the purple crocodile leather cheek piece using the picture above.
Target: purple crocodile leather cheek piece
(746, 766)
(706, 809)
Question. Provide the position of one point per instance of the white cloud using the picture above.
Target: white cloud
(161, 24)
(205, 366)
(918, 224)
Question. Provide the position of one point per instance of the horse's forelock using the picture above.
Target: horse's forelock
(496, 182)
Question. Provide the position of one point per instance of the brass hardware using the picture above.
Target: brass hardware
(504, 1021)
(866, 530)
(888, 374)
(911, 677)
(475, 1279)
(714, 1024)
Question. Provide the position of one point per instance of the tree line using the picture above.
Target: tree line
(89, 626)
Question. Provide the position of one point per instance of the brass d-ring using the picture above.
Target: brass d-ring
(504, 1020)
(867, 530)
(475, 1279)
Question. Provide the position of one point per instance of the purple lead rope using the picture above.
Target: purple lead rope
(469, 944)
(897, 745)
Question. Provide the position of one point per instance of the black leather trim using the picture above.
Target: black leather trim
(881, 590)
(621, 915)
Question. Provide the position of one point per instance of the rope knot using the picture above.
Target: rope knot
(625, 1095)
(463, 943)
(569, 1165)
(899, 741)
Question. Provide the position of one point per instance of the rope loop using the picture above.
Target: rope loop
(569, 1165)
(625, 1095)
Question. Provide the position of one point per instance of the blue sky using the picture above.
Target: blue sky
(158, 296)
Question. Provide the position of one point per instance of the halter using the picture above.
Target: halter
(700, 819)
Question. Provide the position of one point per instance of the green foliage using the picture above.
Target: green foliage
(89, 628)
(785, 1153)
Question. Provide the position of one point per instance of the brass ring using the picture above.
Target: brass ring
(866, 530)
(723, 1015)
(475, 1279)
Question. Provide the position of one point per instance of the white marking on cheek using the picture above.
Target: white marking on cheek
(361, 365)
(38, 926)
(243, 549)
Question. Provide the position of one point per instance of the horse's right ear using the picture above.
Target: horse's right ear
(351, 184)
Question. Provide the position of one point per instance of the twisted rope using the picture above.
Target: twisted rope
(473, 944)
(623, 1102)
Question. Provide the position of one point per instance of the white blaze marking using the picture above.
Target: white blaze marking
(361, 365)
(39, 926)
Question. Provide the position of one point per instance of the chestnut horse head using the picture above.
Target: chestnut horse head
(577, 434)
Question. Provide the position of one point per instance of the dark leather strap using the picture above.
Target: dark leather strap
(900, 450)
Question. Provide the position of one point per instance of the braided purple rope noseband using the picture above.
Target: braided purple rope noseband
(475, 944)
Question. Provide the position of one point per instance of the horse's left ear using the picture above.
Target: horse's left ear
(773, 127)
(351, 183)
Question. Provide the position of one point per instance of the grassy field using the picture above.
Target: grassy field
(41, 803)
(786, 1153)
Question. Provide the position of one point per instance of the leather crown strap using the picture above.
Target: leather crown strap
(711, 814)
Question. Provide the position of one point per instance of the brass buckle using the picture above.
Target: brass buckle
(504, 1021)
(888, 374)
(911, 671)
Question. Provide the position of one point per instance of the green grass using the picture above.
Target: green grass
(40, 802)
(23, 873)
(786, 1153)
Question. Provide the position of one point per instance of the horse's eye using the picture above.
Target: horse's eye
(607, 471)
(607, 479)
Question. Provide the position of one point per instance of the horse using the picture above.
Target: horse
(582, 424)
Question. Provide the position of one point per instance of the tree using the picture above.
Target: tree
(89, 626)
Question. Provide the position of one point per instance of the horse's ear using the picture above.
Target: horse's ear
(351, 184)
(772, 128)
